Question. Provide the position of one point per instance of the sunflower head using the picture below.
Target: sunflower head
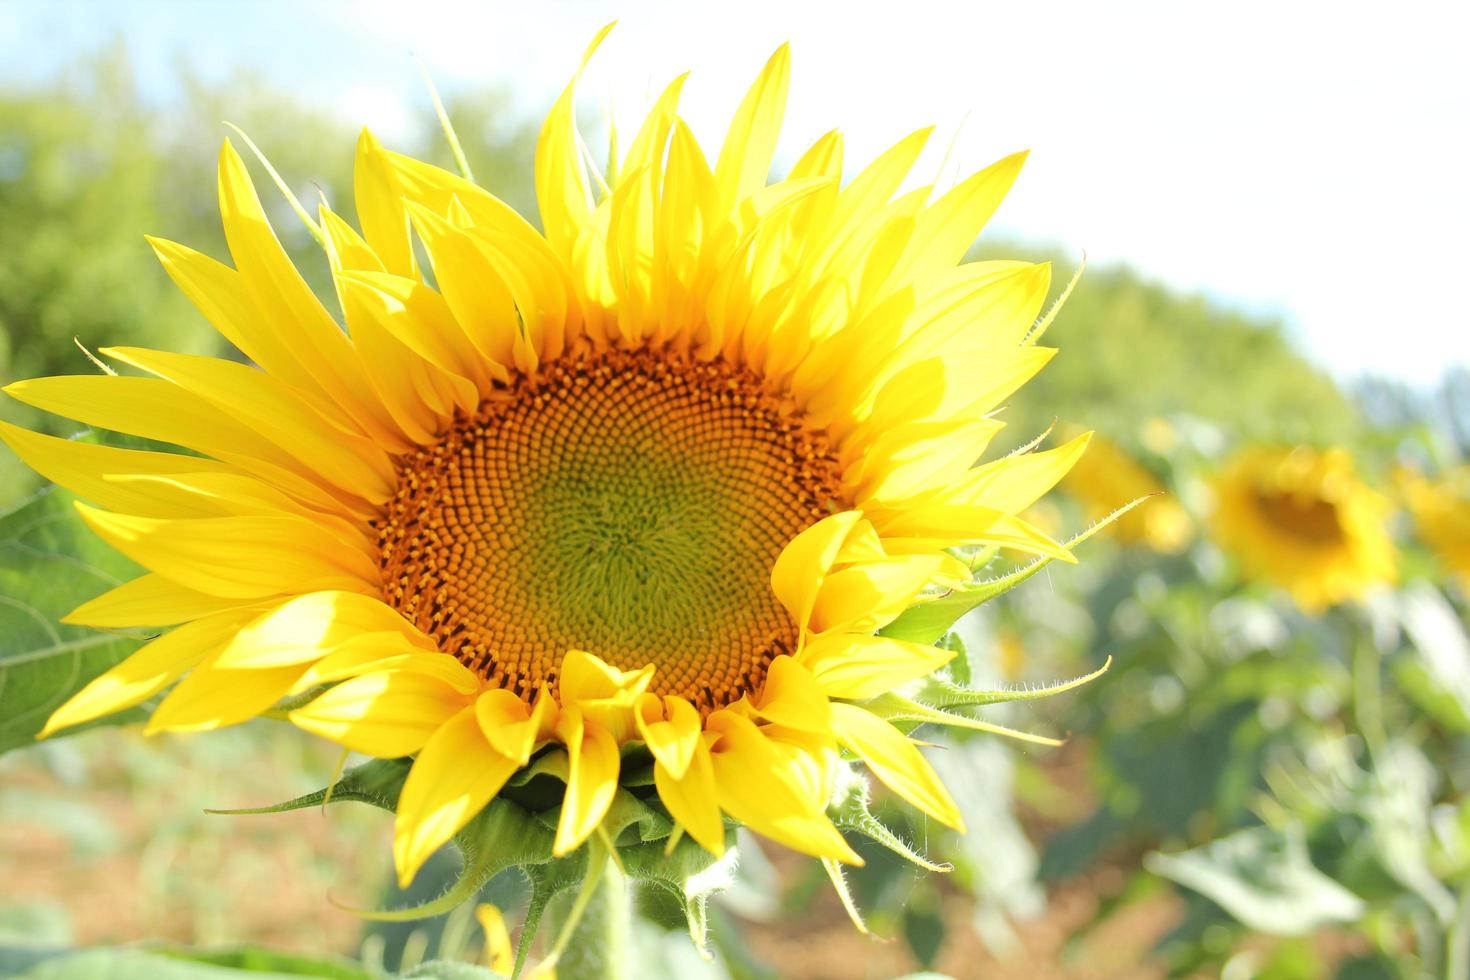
(1441, 512)
(593, 529)
(1301, 519)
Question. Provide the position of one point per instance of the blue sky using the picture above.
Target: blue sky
(1310, 160)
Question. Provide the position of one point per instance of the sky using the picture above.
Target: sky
(1309, 161)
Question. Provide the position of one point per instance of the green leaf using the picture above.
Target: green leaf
(255, 960)
(923, 930)
(139, 964)
(448, 970)
(50, 563)
(1265, 879)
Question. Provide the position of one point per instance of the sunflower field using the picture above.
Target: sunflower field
(500, 554)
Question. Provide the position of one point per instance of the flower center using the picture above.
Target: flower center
(628, 504)
(1309, 518)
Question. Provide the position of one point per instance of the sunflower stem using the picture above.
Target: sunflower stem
(600, 945)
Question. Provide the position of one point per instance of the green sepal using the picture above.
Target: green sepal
(908, 714)
(940, 693)
(930, 619)
(852, 813)
(376, 782)
(507, 834)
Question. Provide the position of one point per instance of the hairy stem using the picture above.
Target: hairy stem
(600, 947)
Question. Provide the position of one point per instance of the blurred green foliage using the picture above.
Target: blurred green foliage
(88, 167)
(1132, 349)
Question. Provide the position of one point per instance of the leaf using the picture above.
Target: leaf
(255, 960)
(1265, 879)
(448, 970)
(50, 563)
(1439, 639)
(138, 964)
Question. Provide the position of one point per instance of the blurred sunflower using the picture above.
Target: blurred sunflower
(1106, 478)
(656, 475)
(1301, 519)
(1441, 511)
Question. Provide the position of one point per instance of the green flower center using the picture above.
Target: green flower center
(628, 504)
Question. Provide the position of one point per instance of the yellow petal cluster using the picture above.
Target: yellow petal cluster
(1441, 511)
(847, 300)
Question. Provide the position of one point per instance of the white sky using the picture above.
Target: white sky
(1311, 160)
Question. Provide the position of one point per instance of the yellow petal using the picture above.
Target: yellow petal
(238, 557)
(216, 493)
(915, 458)
(407, 385)
(225, 298)
(860, 666)
(149, 600)
(587, 677)
(802, 565)
(950, 525)
(257, 400)
(691, 799)
(562, 189)
(980, 306)
(160, 410)
(208, 699)
(422, 321)
(862, 598)
(471, 285)
(146, 671)
(647, 149)
(380, 208)
(1016, 482)
(308, 348)
(896, 761)
(670, 727)
(499, 953)
(455, 775)
(508, 725)
(387, 713)
(946, 385)
(385, 651)
(532, 271)
(84, 467)
(308, 626)
(745, 156)
(862, 544)
(592, 780)
(759, 787)
(822, 159)
(792, 697)
(946, 230)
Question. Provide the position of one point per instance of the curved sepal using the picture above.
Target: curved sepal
(932, 618)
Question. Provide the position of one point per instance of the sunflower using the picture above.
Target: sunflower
(1301, 519)
(653, 476)
(1441, 511)
(1107, 478)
